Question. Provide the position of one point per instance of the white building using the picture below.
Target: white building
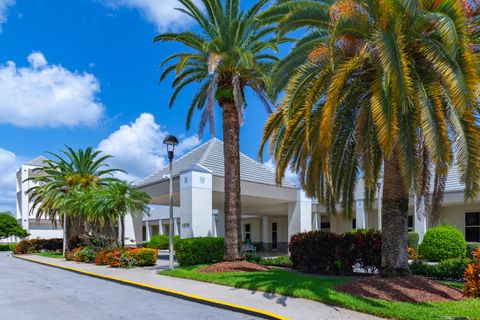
(271, 213)
(38, 228)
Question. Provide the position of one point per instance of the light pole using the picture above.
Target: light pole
(171, 142)
(65, 190)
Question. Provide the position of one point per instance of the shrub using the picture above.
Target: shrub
(84, 254)
(313, 251)
(97, 242)
(4, 247)
(160, 242)
(251, 257)
(441, 243)
(70, 254)
(101, 257)
(413, 239)
(325, 252)
(143, 256)
(284, 262)
(37, 245)
(194, 251)
(450, 269)
(472, 277)
(368, 249)
(412, 254)
(471, 248)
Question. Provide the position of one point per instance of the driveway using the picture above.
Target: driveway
(33, 291)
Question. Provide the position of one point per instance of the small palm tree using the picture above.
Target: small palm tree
(117, 200)
(390, 84)
(227, 55)
(84, 169)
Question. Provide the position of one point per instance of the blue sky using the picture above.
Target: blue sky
(85, 73)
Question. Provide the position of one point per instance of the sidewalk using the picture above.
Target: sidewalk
(287, 307)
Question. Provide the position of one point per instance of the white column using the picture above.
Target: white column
(317, 221)
(379, 205)
(360, 215)
(299, 214)
(419, 219)
(196, 203)
(133, 230)
(148, 231)
(266, 232)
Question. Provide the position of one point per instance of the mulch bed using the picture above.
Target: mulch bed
(234, 266)
(405, 289)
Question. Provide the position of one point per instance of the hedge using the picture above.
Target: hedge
(37, 245)
(6, 246)
(128, 257)
(326, 252)
(441, 243)
(160, 242)
(200, 250)
(450, 269)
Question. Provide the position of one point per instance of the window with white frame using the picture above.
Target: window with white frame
(248, 233)
(472, 226)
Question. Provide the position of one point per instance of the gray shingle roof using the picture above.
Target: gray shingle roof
(210, 156)
(37, 162)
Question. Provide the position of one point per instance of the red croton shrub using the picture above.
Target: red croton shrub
(127, 257)
(472, 277)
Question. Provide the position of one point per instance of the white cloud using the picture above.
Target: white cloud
(45, 94)
(162, 13)
(138, 147)
(289, 174)
(4, 6)
(9, 163)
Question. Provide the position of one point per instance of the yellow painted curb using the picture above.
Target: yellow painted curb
(213, 302)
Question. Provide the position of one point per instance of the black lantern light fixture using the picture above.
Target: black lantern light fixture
(171, 141)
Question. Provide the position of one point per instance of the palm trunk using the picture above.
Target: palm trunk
(394, 221)
(122, 236)
(231, 153)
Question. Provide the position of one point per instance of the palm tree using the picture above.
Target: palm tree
(226, 55)
(117, 200)
(385, 84)
(84, 169)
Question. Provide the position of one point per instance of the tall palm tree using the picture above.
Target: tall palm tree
(392, 84)
(116, 201)
(85, 169)
(227, 54)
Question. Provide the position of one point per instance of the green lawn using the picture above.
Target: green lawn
(321, 288)
(49, 254)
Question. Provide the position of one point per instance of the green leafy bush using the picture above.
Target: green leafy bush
(449, 269)
(85, 254)
(251, 257)
(413, 239)
(160, 242)
(5, 247)
(194, 251)
(441, 243)
(284, 262)
(471, 247)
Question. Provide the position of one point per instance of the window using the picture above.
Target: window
(274, 236)
(354, 223)
(185, 180)
(410, 223)
(472, 226)
(202, 180)
(248, 233)
(325, 226)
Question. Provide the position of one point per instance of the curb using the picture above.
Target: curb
(173, 293)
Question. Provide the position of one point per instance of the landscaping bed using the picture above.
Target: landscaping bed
(324, 289)
(405, 289)
(234, 266)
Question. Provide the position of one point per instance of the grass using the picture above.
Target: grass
(322, 288)
(57, 255)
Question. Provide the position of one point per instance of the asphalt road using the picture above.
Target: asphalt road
(33, 291)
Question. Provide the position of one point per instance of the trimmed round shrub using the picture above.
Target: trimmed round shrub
(202, 250)
(160, 242)
(443, 242)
